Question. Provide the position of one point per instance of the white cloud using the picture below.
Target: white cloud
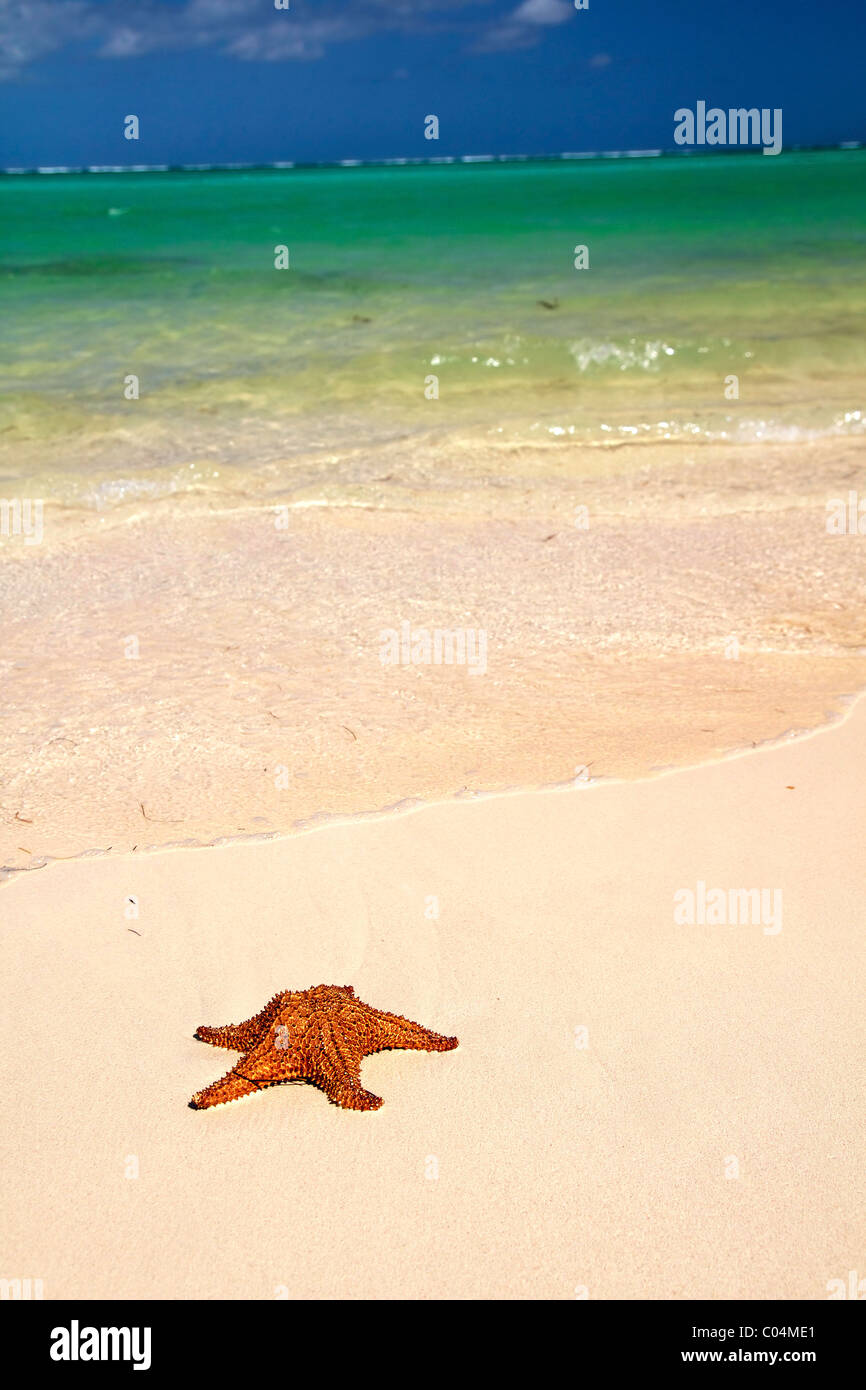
(542, 12)
(251, 30)
(274, 45)
(124, 43)
(523, 27)
(33, 29)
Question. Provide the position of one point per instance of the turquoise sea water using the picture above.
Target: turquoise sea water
(700, 268)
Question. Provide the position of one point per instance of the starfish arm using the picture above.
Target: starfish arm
(335, 1066)
(392, 1030)
(266, 1065)
(229, 1087)
(348, 1094)
(242, 1036)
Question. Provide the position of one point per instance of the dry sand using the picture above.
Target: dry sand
(520, 1165)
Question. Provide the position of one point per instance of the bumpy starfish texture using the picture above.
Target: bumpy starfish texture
(320, 1035)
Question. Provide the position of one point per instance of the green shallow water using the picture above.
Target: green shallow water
(699, 268)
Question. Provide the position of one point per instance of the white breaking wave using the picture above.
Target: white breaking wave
(644, 355)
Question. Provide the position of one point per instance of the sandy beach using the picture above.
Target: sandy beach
(638, 1108)
(444, 578)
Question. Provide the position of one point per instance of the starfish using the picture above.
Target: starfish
(320, 1035)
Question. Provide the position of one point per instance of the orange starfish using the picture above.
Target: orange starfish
(320, 1035)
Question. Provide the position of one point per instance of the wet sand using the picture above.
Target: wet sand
(208, 666)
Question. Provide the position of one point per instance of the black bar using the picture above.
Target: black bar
(644, 1337)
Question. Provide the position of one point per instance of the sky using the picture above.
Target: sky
(221, 81)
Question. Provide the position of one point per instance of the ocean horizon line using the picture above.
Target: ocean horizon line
(410, 161)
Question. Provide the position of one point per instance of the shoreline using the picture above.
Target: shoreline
(179, 673)
(847, 703)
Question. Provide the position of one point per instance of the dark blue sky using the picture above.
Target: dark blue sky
(236, 80)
